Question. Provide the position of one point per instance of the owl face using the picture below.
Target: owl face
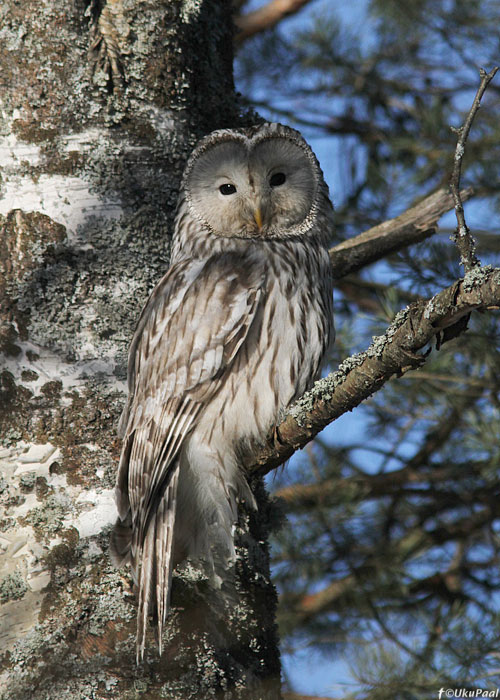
(249, 187)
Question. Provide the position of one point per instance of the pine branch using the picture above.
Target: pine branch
(414, 225)
(411, 545)
(307, 606)
(266, 17)
(369, 486)
(366, 293)
(394, 353)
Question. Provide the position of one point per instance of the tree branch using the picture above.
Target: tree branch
(465, 242)
(265, 17)
(370, 486)
(329, 492)
(412, 226)
(366, 293)
(362, 375)
(410, 545)
(309, 605)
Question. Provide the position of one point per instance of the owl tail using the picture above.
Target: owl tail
(155, 559)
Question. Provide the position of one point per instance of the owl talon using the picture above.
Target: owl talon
(277, 436)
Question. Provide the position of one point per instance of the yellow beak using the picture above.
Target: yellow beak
(257, 215)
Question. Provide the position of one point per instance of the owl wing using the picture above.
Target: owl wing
(187, 336)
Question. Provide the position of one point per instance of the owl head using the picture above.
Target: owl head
(250, 183)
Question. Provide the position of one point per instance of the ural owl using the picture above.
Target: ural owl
(234, 332)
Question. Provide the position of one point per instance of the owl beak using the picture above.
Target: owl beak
(257, 215)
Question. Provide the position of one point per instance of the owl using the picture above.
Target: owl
(234, 332)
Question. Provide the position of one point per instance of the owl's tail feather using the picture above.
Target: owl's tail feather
(145, 581)
(165, 519)
(156, 565)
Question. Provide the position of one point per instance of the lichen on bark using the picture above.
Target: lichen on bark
(101, 103)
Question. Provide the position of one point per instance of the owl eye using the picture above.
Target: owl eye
(277, 179)
(227, 188)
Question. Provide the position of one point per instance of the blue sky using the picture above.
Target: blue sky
(309, 671)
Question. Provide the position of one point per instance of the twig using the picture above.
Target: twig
(265, 17)
(412, 226)
(465, 242)
(363, 486)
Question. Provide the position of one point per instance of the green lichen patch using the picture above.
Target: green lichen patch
(85, 621)
(380, 342)
(12, 587)
(475, 277)
(27, 482)
(47, 519)
(26, 239)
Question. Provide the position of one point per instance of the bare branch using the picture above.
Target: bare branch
(366, 294)
(362, 375)
(308, 605)
(414, 225)
(465, 242)
(446, 585)
(266, 17)
(300, 497)
(370, 486)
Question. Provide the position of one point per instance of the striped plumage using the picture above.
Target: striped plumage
(232, 334)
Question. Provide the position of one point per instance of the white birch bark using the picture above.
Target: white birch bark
(100, 103)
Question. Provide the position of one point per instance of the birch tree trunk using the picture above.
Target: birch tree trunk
(101, 102)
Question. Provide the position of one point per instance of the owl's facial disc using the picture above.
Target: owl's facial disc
(259, 191)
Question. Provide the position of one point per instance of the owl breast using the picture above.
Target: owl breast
(280, 359)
